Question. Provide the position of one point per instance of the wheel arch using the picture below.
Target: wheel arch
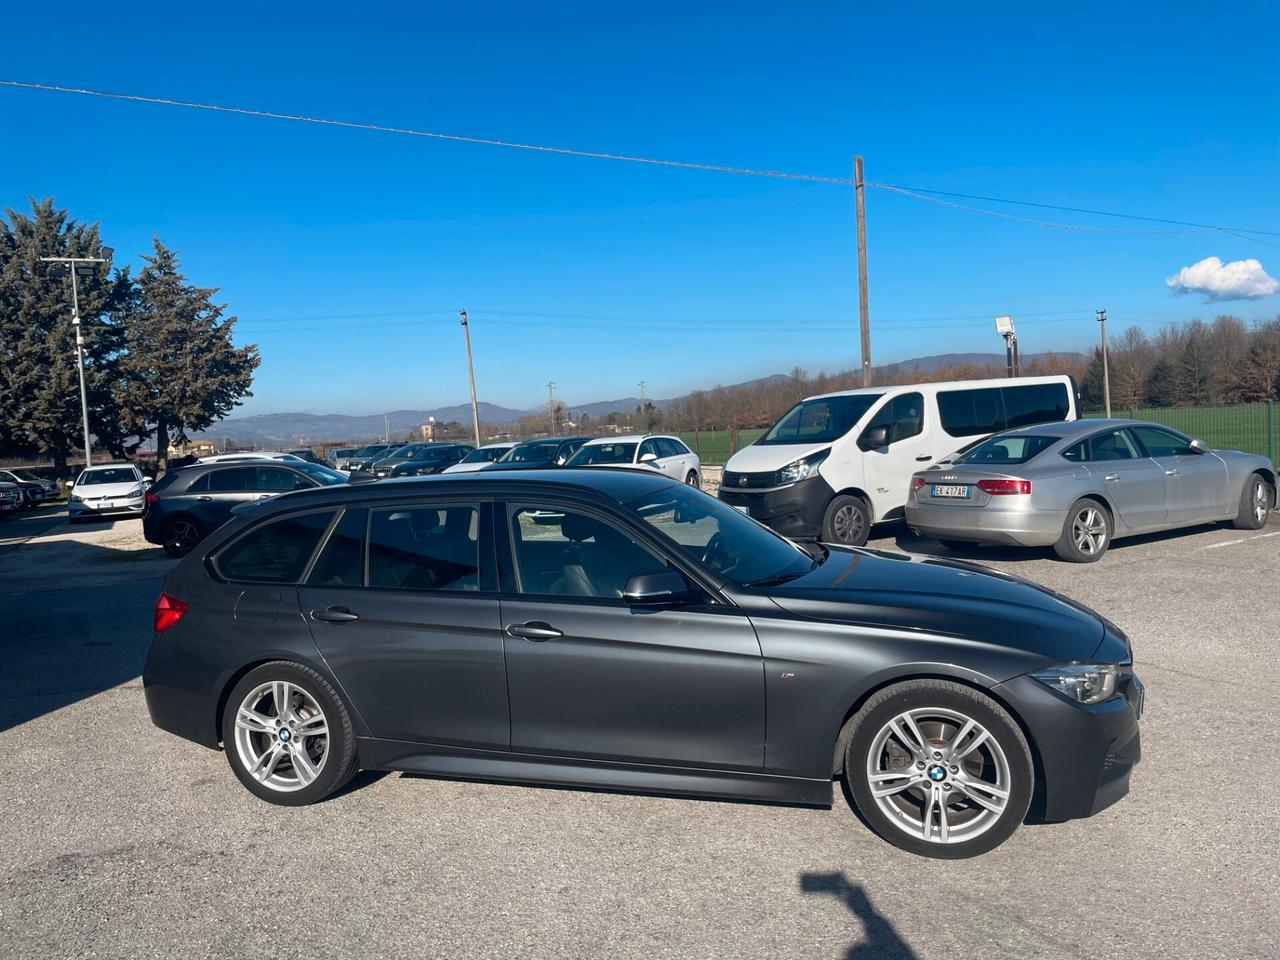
(965, 680)
(287, 656)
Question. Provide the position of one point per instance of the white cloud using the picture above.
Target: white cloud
(1215, 280)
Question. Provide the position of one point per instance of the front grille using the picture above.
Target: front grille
(734, 480)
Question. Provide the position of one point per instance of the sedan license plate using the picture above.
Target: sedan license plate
(940, 490)
(107, 505)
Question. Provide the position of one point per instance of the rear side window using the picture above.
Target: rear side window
(278, 480)
(276, 552)
(1035, 403)
(425, 548)
(233, 480)
(341, 562)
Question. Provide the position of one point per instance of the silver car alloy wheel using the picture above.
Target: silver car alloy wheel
(1260, 501)
(282, 737)
(938, 775)
(1089, 531)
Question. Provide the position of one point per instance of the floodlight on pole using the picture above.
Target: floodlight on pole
(1004, 327)
(84, 267)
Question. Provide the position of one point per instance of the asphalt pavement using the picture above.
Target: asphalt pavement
(118, 840)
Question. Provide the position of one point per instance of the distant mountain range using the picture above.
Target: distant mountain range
(289, 429)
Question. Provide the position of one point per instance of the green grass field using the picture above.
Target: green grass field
(1239, 427)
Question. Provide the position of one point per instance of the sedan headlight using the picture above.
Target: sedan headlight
(1082, 682)
(803, 469)
(136, 492)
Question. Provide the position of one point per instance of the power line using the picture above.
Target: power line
(914, 192)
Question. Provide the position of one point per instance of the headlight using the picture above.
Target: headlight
(1082, 682)
(803, 469)
(136, 492)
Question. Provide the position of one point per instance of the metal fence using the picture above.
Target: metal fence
(1252, 427)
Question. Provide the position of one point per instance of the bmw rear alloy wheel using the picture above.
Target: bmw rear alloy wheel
(939, 769)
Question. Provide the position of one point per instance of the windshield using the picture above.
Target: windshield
(432, 453)
(603, 453)
(715, 534)
(1007, 449)
(26, 475)
(405, 451)
(321, 474)
(117, 475)
(820, 420)
(529, 452)
(372, 450)
(485, 455)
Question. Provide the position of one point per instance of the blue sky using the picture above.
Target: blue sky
(597, 274)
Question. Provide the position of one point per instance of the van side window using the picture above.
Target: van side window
(967, 413)
(903, 417)
(1035, 403)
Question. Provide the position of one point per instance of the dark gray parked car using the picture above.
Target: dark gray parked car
(638, 635)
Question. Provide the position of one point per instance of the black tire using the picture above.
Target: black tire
(1086, 532)
(957, 699)
(338, 763)
(847, 521)
(692, 480)
(181, 534)
(1257, 500)
(959, 544)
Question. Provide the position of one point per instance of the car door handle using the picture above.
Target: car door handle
(927, 456)
(1112, 477)
(203, 499)
(334, 615)
(534, 630)
(1171, 473)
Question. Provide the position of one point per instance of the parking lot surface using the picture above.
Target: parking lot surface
(122, 841)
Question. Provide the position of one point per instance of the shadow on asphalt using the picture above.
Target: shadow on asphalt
(880, 940)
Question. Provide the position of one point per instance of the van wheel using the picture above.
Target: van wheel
(847, 521)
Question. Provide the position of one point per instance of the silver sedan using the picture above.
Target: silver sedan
(1079, 485)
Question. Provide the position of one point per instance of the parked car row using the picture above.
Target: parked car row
(33, 490)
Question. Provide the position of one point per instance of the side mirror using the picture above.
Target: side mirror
(1199, 446)
(874, 438)
(657, 587)
(648, 458)
(148, 479)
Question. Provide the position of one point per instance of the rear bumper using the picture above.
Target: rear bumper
(795, 511)
(181, 691)
(989, 524)
(1084, 754)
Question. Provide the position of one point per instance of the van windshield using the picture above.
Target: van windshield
(820, 419)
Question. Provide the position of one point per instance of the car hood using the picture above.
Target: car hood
(763, 457)
(106, 489)
(947, 597)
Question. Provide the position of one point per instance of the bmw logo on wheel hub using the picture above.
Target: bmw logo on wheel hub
(937, 773)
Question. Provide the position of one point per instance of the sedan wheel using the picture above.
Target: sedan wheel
(180, 536)
(939, 769)
(288, 735)
(1255, 504)
(1086, 533)
(692, 479)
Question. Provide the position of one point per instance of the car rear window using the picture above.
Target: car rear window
(276, 552)
(1007, 449)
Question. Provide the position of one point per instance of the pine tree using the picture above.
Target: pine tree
(39, 383)
(182, 371)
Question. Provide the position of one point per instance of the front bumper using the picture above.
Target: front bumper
(1084, 753)
(796, 510)
(103, 508)
(988, 524)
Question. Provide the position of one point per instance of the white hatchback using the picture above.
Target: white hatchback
(481, 457)
(664, 453)
(119, 488)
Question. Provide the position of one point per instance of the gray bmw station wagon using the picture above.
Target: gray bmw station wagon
(616, 629)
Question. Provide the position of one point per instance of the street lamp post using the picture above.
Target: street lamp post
(1004, 327)
(76, 265)
(1106, 372)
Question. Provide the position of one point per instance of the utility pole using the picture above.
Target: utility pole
(1106, 373)
(74, 264)
(644, 411)
(471, 375)
(863, 314)
(551, 405)
(386, 428)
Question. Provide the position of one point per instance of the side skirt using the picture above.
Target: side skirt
(463, 764)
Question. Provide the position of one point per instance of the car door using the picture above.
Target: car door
(590, 676)
(1196, 482)
(402, 603)
(888, 468)
(646, 448)
(671, 458)
(1135, 484)
(212, 502)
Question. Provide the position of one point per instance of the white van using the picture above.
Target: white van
(837, 463)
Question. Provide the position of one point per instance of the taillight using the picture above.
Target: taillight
(916, 483)
(151, 497)
(1000, 488)
(169, 610)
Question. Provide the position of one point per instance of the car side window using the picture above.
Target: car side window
(1162, 443)
(341, 562)
(275, 480)
(433, 547)
(567, 553)
(647, 447)
(234, 480)
(669, 448)
(1112, 445)
(276, 552)
(1076, 453)
(200, 484)
(903, 417)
